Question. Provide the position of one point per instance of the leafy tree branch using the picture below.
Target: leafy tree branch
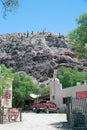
(78, 37)
(9, 5)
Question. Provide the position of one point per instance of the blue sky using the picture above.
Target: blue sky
(36, 15)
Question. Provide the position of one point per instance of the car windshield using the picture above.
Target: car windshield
(44, 101)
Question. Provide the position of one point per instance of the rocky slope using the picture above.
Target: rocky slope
(38, 54)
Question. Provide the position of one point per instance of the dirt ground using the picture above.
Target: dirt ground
(41, 121)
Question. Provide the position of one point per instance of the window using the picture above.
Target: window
(53, 97)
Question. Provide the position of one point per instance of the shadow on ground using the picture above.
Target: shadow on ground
(62, 126)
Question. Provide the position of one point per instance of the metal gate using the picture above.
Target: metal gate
(77, 111)
(79, 105)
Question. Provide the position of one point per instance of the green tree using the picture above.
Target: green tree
(69, 77)
(22, 87)
(44, 90)
(9, 5)
(5, 74)
(78, 37)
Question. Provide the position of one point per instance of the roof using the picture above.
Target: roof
(34, 95)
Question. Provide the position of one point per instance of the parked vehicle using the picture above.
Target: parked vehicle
(46, 106)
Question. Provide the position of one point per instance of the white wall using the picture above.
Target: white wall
(59, 93)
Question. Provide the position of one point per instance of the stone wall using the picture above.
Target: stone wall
(78, 121)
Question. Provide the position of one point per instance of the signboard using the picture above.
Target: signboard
(7, 94)
(13, 112)
(81, 94)
(6, 99)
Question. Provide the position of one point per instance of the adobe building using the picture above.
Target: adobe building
(58, 94)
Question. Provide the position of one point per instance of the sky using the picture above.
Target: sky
(57, 16)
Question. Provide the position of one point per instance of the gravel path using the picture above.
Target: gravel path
(42, 121)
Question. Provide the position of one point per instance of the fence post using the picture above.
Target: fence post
(20, 114)
(9, 117)
(2, 114)
(68, 104)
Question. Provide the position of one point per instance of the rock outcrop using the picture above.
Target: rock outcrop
(38, 54)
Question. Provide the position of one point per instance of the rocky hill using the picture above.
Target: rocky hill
(38, 54)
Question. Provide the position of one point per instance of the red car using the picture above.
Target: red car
(46, 106)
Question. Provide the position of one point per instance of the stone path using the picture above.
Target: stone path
(42, 121)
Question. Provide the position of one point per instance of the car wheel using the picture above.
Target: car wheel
(37, 111)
